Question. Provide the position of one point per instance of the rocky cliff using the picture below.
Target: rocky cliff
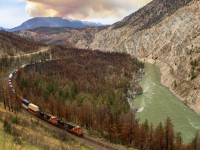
(164, 32)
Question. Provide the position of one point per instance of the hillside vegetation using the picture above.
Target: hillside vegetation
(82, 75)
(22, 132)
(11, 44)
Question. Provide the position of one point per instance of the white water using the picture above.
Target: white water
(156, 103)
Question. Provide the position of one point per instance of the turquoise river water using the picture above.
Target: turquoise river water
(156, 103)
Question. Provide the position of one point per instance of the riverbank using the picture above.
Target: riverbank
(134, 89)
(169, 80)
(156, 103)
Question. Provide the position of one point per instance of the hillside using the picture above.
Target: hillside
(83, 76)
(11, 44)
(165, 31)
(53, 22)
(25, 132)
(67, 37)
(151, 14)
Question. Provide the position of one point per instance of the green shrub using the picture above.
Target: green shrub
(194, 75)
(15, 120)
(17, 140)
(7, 127)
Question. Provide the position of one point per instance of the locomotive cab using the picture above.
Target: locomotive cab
(78, 131)
(53, 120)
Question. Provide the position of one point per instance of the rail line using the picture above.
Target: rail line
(86, 139)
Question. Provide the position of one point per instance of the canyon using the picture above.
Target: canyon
(168, 37)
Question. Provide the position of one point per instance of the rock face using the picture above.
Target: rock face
(174, 43)
(169, 37)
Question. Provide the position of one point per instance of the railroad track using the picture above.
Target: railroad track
(91, 142)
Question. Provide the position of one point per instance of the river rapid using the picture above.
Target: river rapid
(156, 103)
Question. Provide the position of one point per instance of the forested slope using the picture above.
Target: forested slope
(11, 44)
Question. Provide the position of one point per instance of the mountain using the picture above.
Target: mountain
(165, 32)
(1, 28)
(92, 24)
(5, 29)
(53, 22)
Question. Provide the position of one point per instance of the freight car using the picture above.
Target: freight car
(33, 109)
(25, 103)
(10, 76)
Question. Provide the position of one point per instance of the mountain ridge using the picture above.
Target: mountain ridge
(151, 14)
(1, 28)
(53, 22)
(11, 44)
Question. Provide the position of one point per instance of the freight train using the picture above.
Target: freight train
(36, 111)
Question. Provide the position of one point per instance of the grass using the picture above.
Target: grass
(9, 142)
(28, 134)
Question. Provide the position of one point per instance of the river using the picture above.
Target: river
(156, 103)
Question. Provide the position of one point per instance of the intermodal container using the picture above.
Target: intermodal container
(10, 76)
(25, 103)
(34, 109)
(14, 71)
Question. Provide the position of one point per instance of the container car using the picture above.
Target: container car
(10, 76)
(13, 90)
(14, 71)
(25, 103)
(23, 66)
(34, 109)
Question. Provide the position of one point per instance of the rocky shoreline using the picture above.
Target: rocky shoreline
(135, 89)
(167, 80)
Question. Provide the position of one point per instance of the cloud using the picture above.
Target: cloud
(83, 9)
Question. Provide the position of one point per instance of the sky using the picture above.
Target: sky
(15, 12)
